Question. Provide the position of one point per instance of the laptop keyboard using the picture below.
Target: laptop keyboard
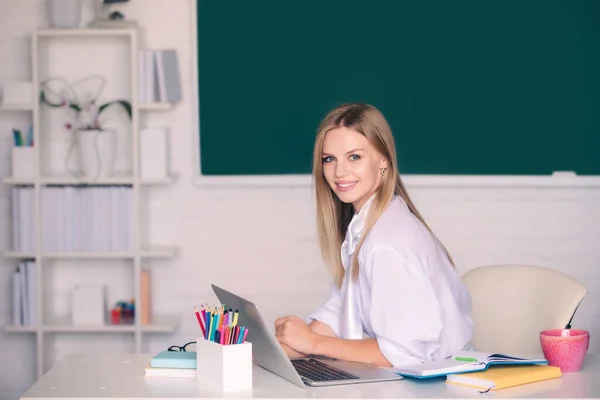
(317, 371)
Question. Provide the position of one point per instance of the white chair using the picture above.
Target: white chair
(512, 304)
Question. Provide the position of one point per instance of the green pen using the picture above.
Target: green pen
(466, 359)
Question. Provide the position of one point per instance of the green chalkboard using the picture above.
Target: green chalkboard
(468, 86)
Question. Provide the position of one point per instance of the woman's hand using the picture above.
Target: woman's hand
(296, 334)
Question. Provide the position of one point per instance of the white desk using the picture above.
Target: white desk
(121, 377)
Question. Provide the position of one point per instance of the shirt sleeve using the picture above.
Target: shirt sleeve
(405, 311)
(329, 313)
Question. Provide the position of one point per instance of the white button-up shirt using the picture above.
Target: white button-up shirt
(408, 295)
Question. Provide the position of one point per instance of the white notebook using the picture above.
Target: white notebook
(170, 372)
(463, 361)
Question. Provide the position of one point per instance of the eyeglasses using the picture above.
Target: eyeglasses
(180, 348)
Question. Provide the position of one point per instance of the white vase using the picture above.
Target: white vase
(64, 13)
(97, 149)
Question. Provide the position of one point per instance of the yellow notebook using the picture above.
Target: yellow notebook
(501, 377)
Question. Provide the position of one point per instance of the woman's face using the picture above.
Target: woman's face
(351, 166)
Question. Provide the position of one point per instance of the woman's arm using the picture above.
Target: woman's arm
(297, 335)
(317, 327)
(291, 353)
(320, 328)
(361, 350)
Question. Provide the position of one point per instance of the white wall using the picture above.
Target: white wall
(261, 242)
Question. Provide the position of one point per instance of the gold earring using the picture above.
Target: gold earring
(383, 171)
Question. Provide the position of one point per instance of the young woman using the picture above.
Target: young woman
(395, 283)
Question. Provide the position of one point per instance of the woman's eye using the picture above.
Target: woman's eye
(327, 159)
(354, 157)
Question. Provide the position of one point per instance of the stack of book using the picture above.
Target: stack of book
(159, 77)
(484, 371)
(462, 362)
(96, 218)
(74, 219)
(502, 377)
(172, 364)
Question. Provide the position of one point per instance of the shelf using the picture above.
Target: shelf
(20, 329)
(90, 255)
(18, 181)
(152, 252)
(153, 328)
(155, 106)
(88, 328)
(84, 32)
(144, 107)
(140, 255)
(16, 107)
(69, 180)
(19, 254)
(159, 252)
(162, 324)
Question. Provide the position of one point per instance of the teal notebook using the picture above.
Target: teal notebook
(174, 359)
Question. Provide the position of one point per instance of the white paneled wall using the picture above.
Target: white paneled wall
(261, 242)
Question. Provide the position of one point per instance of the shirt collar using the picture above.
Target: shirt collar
(357, 226)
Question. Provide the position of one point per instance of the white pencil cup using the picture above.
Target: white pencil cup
(224, 367)
(23, 162)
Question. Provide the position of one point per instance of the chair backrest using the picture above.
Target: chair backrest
(512, 304)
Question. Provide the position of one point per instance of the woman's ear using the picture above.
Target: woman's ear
(384, 163)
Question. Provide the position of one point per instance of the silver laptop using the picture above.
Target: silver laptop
(313, 371)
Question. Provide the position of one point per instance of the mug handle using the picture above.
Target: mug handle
(588, 344)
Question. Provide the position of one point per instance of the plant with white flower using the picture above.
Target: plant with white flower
(83, 111)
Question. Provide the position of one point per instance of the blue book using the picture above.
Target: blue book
(174, 359)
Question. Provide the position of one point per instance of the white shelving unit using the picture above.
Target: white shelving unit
(141, 251)
(71, 180)
(144, 253)
(156, 107)
(16, 107)
(165, 327)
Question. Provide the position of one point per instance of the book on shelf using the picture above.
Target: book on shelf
(159, 76)
(74, 219)
(25, 295)
(145, 298)
(462, 362)
(97, 218)
(88, 304)
(154, 152)
(501, 377)
(23, 216)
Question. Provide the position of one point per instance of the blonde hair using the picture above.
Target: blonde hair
(334, 216)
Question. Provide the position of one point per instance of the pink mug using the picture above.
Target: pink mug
(565, 348)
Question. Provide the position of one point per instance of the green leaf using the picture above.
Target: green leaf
(44, 100)
(123, 103)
